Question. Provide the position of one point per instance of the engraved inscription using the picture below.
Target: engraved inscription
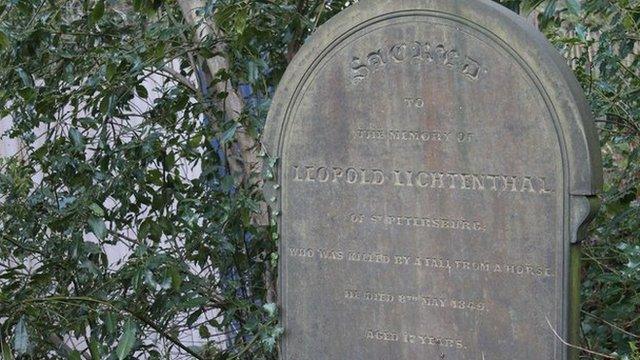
(429, 222)
(424, 301)
(417, 339)
(425, 263)
(415, 53)
(418, 222)
(422, 160)
(422, 179)
(413, 136)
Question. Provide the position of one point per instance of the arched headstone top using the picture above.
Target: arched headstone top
(436, 169)
(499, 25)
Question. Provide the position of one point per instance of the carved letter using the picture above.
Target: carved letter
(399, 52)
(452, 60)
(471, 69)
(375, 60)
(359, 70)
(440, 55)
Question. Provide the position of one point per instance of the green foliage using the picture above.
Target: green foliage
(126, 150)
(126, 342)
(601, 41)
(127, 147)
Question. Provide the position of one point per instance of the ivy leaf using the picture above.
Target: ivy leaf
(204, 332)
(98, 12)
(96, 209)
(110, 323)
(142, 91)
(574, 6)
(269, 342)
(26, 78)
(581, 31)
(98, 227)
(271, 309)
(127, 340)
(76, 138)
(4, 40)
(229, 134)
(21, 337)
(270, 338)
(550, 10)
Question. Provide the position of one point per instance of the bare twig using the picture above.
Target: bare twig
(64, 349)
(612, 325)
(575, 346)
(141, 317)
(180, 78)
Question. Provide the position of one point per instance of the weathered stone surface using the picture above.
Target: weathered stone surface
(436, 162)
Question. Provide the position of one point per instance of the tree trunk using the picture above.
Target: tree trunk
(243, 160)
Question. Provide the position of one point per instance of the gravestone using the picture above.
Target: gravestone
(436, 170)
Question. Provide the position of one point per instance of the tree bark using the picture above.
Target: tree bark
(243, 158)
